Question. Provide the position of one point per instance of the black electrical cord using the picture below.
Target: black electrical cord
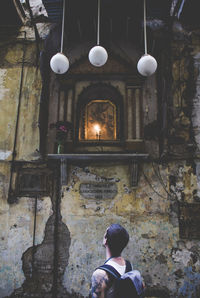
(14, 153)
(155, 191)
(158, 174)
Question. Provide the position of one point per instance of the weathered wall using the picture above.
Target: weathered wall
(18, 68)
(70, 227)
(150, 214)
(18, 75)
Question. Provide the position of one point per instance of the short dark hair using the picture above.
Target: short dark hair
(117, 238)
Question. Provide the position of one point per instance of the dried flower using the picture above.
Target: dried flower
(62, 129)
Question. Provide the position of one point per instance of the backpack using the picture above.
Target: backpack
(127, 285)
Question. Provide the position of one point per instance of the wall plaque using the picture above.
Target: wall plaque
(100, 190)
(189, 220)
(33, 181)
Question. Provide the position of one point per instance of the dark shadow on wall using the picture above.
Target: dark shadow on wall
(44, 264)
(38, 265)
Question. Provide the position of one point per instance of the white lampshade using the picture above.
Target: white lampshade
(59, 63)
(98, 56)
(147, 65)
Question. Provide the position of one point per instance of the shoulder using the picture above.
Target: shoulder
(100, 283)
(100, 274)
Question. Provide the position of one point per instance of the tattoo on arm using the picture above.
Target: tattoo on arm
(99, 284)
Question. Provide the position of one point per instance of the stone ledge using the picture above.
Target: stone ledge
(100, 156)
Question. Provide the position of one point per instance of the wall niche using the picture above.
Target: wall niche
(101, 110)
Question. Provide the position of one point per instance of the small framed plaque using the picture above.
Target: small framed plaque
(33, 182)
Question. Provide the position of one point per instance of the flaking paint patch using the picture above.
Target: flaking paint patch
(3, 91)
(38, 8)
(182, 256)
(4, 154)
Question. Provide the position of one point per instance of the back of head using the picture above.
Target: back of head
(117, 238)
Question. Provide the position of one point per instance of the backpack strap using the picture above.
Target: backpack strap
(110, 269)
(128, 266)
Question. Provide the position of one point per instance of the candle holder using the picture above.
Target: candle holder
(98, 135)
(98, 131)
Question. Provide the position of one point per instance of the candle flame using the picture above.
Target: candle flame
(97, 128)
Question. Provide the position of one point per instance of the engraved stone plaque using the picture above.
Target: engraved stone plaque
(189, 220)
(100, 190)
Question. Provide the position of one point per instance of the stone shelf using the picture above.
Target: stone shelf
(100, 156)
(133, 158)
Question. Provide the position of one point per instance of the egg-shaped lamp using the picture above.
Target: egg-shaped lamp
(59, 63)
(98, 56)
(147, 65)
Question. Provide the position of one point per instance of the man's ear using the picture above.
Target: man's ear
(104, 240)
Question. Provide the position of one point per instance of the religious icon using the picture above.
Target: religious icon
(100, 121)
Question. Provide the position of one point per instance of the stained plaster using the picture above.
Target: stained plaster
(17, 223)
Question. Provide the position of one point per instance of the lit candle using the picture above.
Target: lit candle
(98, 131)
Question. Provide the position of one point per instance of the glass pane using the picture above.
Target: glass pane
(100, 121)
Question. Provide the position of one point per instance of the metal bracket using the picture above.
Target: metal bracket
(63, 172)
(134, 173)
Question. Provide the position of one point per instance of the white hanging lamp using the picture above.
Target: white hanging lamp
(147, 64)
(98, 55)
(59, 62)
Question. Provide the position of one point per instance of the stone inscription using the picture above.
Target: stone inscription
(98, 190)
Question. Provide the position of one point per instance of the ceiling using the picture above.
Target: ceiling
(190, 14)
(120, 19)
(8, 13)
(118, 10)
(88, 8)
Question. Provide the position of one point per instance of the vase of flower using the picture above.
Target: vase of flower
(62, 130)
(60, 149)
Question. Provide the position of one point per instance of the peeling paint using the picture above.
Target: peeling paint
(5, 154)
(16, 234)
(3, 91)
(182, 256)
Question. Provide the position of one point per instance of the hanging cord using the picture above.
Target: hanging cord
(152, 187)
(158, 174)
(63, 25)
(145, 29)
(10, 191)
(98, 21)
